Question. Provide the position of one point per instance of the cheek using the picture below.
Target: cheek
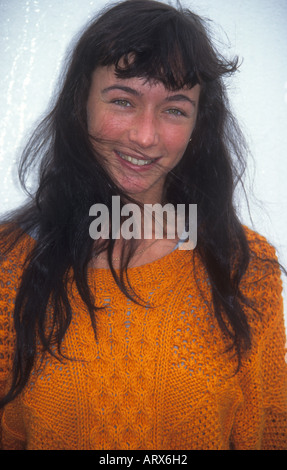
(176, 144)
(95, 123)
(105, 127)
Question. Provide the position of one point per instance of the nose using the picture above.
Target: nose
(144, 131)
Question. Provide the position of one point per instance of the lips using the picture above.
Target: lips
(137, 161)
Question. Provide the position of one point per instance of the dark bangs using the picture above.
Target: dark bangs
(157, 48)
(163, 44)
(148, 39)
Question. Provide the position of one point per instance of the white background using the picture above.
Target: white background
(35, 34)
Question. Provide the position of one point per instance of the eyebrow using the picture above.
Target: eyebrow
(132, 91)
(180, 97)
(127, 89)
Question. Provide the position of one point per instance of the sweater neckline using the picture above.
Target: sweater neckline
(172, 260)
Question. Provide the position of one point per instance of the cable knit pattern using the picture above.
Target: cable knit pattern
(157, 377)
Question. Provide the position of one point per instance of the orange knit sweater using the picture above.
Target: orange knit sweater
(157, 378)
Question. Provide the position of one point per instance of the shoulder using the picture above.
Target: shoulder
(263, 258)
(14, 242)
(259, 245)
(262, 282)
(13, 253)
(15, 247)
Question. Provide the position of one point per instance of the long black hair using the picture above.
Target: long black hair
(173, 46)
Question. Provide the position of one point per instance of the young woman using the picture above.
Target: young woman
(113, 342)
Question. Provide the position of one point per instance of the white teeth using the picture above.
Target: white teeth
(134, 161)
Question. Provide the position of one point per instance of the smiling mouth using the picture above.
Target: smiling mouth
(135, 161)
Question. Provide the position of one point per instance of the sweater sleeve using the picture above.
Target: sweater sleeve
(10, 275)
(261, 419)
(274, 379)
(6, 335)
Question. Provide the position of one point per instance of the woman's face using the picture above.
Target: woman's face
(141, 129)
